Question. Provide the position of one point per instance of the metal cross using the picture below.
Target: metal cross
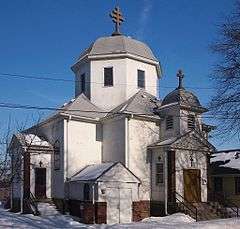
(180, 76)
(117, 18)
(40, 163)
(191, 160)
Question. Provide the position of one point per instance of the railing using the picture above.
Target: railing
(186, 204)
(33, 203)
(226, 202)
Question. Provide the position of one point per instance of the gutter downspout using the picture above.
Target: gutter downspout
(93, 202)
(166, 182)
(126, 142)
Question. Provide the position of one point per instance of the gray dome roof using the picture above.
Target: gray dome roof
(182, 97)
(119, 45)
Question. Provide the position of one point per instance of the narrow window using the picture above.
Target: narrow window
(218, 184)
(86, 192)
(169, 122)
(141, 79)
(191, 122)
(159, 173)
(237, 185)
(83, 83)
(108, 77)
(57, 155)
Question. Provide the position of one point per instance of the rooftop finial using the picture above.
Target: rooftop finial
(180, 76)
(117, 18)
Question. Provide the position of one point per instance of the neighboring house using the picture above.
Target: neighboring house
(116, 152)
(225, 174)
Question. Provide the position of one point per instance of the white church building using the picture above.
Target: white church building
(116, 152)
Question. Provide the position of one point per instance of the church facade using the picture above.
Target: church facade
(116, 152)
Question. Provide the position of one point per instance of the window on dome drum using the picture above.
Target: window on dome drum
(237, 185)
(83, 83)
(191, 122)
(108, 77)
(86, 192)
(159, 173)
(141, 78)
(169, 122)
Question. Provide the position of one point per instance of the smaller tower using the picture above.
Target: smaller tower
(181, 111)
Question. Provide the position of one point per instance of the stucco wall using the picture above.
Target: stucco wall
(114, 140)
(183, 162)
(151, 77)
(81, 145)
(141, 134)
(108, 97)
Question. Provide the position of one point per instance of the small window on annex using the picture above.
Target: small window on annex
(159, 173)
(237, 185)
(86, 192)
(141, 78)
(169, 122)
(56, 155)
(83, 83)
(218, 184)
(191, 122)
(108, 77)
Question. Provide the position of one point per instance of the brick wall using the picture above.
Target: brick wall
(141, 210)
(87, 212)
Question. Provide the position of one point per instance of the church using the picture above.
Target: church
(115, 153)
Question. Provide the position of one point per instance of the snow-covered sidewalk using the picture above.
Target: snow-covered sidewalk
(50, 218)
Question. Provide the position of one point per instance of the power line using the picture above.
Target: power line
(29, 107)
(33, 77)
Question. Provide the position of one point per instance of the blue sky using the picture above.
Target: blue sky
(44, 38)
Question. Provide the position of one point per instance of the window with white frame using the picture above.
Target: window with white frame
(159, 173)
(169, 122)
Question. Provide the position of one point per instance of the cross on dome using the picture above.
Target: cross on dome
(117, 18)
(180, 76)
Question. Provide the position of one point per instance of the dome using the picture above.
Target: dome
(119, 45)
(182, 97)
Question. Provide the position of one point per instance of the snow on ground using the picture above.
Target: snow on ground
(50, 218)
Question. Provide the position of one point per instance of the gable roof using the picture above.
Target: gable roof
(96, 171)
(184, 141)
(225, 162)
(142, 103)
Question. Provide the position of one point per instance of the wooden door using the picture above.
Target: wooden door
(40, 183)
(192, 185)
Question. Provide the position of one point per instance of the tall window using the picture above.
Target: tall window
(83, 83)
(218, 184)
(169, 122)
(57, 155)
(141, 79)
(159, 173)
(237, 185)
(191, 122)
(108, 77)
(86, 192)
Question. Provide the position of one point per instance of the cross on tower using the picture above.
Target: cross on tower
(180, 76)
(117, 18)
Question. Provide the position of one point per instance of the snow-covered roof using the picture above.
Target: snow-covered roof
(227, 158)
(92, 172)
(165, 142)
(32, 139)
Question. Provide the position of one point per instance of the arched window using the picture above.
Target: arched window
(56, 155)
(86, 192)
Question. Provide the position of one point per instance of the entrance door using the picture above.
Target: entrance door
(119, 205)
(192, 185)
(40, 183)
